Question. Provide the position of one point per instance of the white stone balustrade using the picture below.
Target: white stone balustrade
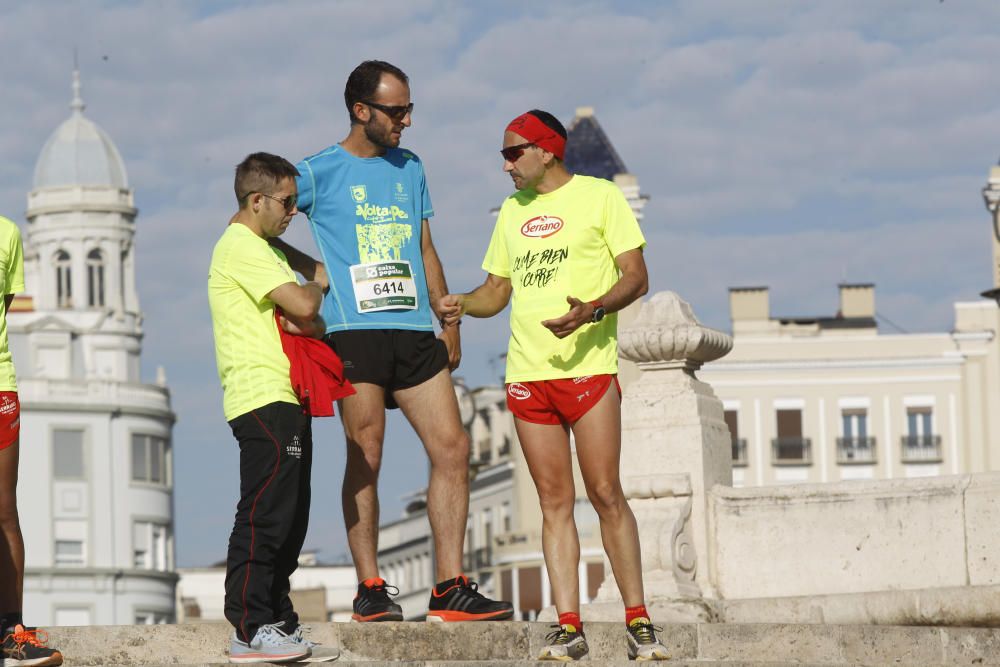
(675, 447)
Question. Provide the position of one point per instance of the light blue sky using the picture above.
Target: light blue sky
(785, 143)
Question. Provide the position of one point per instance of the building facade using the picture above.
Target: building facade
(825, 399)
(95, 490)
(320, 592)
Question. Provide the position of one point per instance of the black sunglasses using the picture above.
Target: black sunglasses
(396, 113)
(514, 153)
(288, 202)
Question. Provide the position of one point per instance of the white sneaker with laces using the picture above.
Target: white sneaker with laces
(318, 652)
(269, 644)
(642, 642)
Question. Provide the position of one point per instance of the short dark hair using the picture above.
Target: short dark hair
(363, 82)
(261, 172)
(549, 121)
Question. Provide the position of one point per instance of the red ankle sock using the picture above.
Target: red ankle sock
(571, 618)
(632, 613)
(375, 581)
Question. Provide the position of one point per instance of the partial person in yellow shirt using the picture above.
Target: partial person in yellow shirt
(564, 240)
(20, 645)
(247, 279)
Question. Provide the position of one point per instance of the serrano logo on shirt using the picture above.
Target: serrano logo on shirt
(518, 391)
(542, 227)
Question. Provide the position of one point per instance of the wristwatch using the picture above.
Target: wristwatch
(598, 312)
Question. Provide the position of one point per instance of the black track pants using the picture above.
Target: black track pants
(271, 517)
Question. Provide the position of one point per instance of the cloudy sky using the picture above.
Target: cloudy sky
(789, 144)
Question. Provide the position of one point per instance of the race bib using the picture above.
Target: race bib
(384, 286)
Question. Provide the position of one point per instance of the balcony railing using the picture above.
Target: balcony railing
(856, 450)
(478, 559)
(739, 452)
(921, 448)
(791, 451)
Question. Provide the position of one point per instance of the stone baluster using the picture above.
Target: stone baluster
(675, 447)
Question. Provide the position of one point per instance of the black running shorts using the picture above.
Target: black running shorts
(391, 358)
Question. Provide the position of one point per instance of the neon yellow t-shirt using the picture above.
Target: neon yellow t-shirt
(12, 282)
(551, 246)
(252, 366)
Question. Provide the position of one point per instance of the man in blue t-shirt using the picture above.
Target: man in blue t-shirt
(368, 208)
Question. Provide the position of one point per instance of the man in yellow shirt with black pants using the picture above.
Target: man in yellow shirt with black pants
(247, 279)
(565, 240)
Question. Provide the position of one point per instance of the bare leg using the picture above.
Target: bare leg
(546, 449)
(11, 542)
(363, 416)
(432, 409)
(598, 448)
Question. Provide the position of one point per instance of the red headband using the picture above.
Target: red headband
(532, 129)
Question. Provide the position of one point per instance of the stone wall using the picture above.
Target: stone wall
(909, 551)
(855, 537)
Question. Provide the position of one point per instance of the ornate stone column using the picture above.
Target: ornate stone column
(675, 447)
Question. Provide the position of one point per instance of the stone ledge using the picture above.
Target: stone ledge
(959, 606)
(589, 662)
(503, 643)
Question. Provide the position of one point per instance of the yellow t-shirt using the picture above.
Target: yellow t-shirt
(551, 246)
(253, 368)
(12, 278)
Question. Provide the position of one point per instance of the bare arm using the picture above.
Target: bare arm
(299, 302)
(309, 268)
(485, 301)
(436, 285)
(436, 289)
(633, 283)
(7, 300)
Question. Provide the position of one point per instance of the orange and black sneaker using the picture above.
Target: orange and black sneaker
(23, 647)
(459, 599)
(372, 603)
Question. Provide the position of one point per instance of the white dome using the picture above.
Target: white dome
(79, 153)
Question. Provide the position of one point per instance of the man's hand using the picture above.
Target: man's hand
(452, 341)
(450, 309)
(312, 329)
(578, 315)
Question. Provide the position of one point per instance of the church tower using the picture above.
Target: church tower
(591, 153)
(95, 489)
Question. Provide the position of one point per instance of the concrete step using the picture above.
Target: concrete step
(510, 643)
(588, 662)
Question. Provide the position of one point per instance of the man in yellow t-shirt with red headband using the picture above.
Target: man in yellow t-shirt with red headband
(566, 240)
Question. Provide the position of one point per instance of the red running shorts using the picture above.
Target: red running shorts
(10, 418)
(562, 401)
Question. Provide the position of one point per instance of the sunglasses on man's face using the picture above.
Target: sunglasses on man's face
(514, 153)
(397, 113)
(288, 202)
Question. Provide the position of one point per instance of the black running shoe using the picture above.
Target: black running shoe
(22, 647)
(372, 603)
(459, 599)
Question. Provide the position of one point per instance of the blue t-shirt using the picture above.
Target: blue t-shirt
(367, 213)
